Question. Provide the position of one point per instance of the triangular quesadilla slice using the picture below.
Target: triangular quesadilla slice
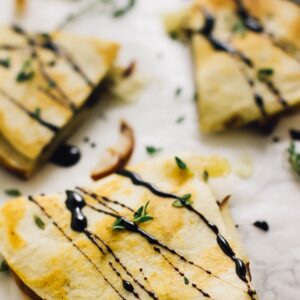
(246, 58)
(153, 231)
(47, 82)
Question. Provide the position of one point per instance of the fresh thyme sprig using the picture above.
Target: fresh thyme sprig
(5, 62)
(183, 201)
(98, 6)
(26, 73)
(39, 222)
(294, 157)
(4, 267)
(140, 216)
(205, 175)
(180, 163)
(239, 27)
(12, 192)
(151, 150)
(264, 74)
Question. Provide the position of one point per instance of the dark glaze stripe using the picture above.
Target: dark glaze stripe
(114, 215)
(251, 22)
(207, 31)
(259, 101)
(295, 134)
(39, 120)
(70, 59)
(133, 227)
(126, 284)
(177, 270)
(118, 261)
(274, 90)
(75, 246)
(31, 43)
(100, 199)
(52, 96)
(75, 203)
(145, 277)
(241, 269)
(260, 104)
(254, 24)
(92, 238)
(49, 44)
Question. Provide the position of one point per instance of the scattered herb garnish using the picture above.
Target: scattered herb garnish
(239, 27)
(184, 201)
(26, 72)
(173, 35)
(118, 224)
(3, 266)
(39, 223)
(186, 281)
(141, 215)
(178, 91)
(5, 62)
(264, 74)
(12, 192)
(294, 157)
(52, 63)
(180, 119)
(205, 175)
(51, 83)
(151, 150)
(37, 113)
(195, 97)
(181, 165)
(122, 11)
(97, 6)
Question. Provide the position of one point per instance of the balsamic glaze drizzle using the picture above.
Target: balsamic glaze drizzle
(241, 269)
(30, 198)
(126, 284)
(102, 199)
(38, 119)
(133, 227)
(206, 295)
(262, 225)
(75, 203)
(118, 261)
(64, 99)
(66, 156)
(49, 44)
(254, 24)
(207, 31)
(251, 22)
(295, 134)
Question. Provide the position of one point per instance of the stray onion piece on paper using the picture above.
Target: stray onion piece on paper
(116, 157)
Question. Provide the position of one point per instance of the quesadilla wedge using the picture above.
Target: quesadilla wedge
(153, 231)
(48, 81)
(246, 58)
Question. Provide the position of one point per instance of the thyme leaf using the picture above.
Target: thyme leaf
(294, 157)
